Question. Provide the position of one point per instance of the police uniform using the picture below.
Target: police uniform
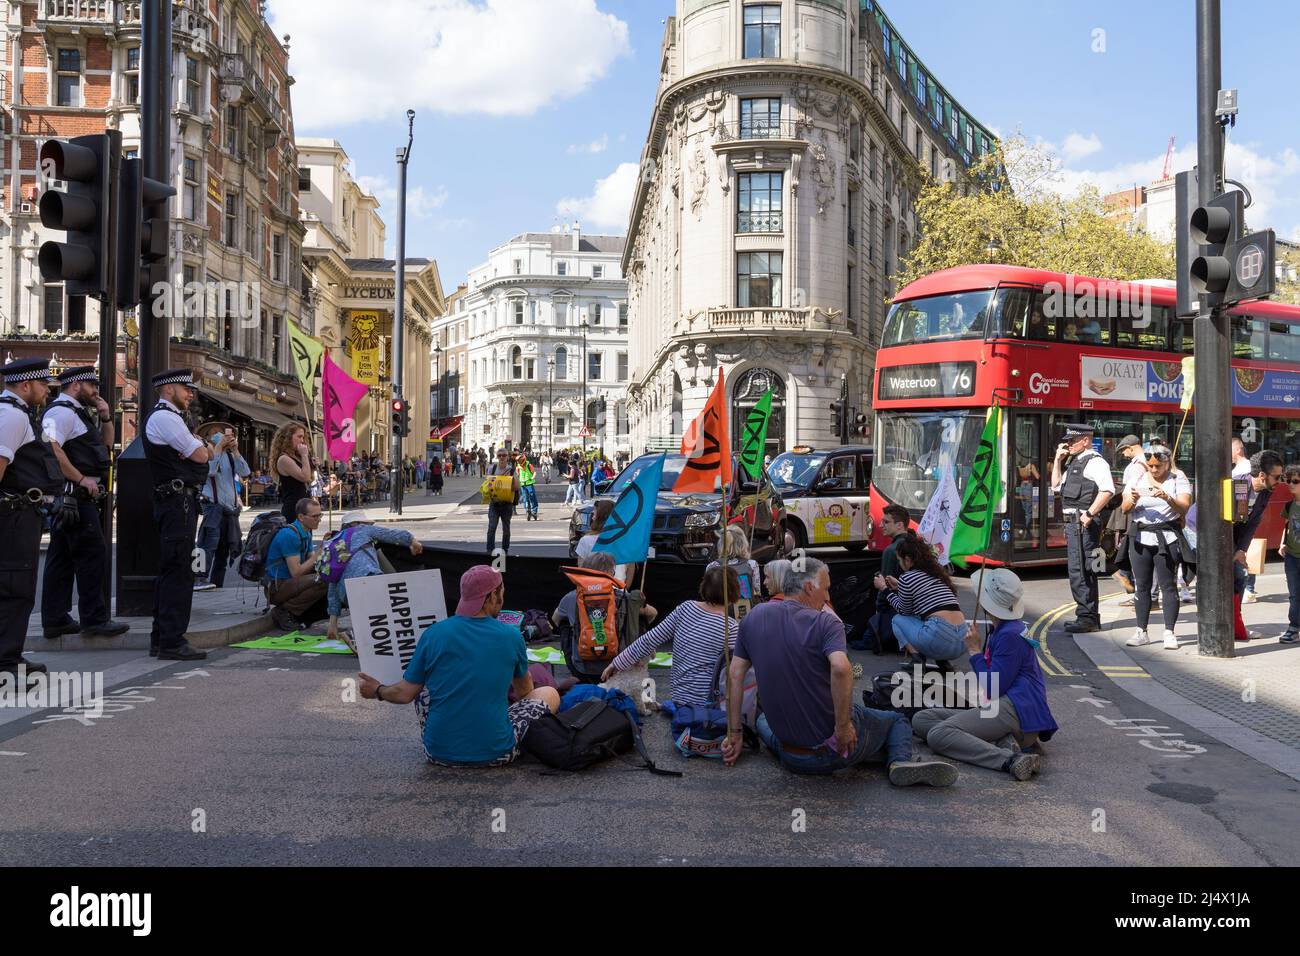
(168, 445)
(31, 480)
(1085, 477)
(78, 551)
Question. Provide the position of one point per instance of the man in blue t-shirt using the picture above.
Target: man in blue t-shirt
(805, 681)
(297, 597)
(459, 677)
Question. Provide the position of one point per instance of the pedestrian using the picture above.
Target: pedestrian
(528, 487)
(739, 560)
(928, 621)
(436, 478)
(894, 524)
(545, 462)
(574, 493)
(1128, 454)
(296, 595)
(587, 543)
(178, 467)
(1266, 472)
(79, 431)
(26, 465)
(1086, 486)
(501, 511)
(219, 532)
(360, 537)
(291, 465)
(1240, 470)
(1157, 504)
(1290, 551)
(1006, 730)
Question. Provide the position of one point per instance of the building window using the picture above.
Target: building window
(192, 84)
(519, 267)
(560, 425)
(53, 317)
(133, 74)
(277, 258)
(232, 130)
(190, 202)
(598, 272)
(762, 31)
(232, 219)
(516, 363)
(760, 118)
(304, 179)
(593, 313)
(561, 364)
(759, 198)
(758, 280)
(69, 78)
(593, 366)
(622, 366)
(561, 268)
(76, 314)
(250, 231)
(561, 307)
(517, 309)
(853, 218)
(622, 315)
(970, 138)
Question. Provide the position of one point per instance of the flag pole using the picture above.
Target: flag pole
(979, 583)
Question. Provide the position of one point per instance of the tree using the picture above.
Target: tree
(1016, 208)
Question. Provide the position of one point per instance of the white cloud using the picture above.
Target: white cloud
(610, 202)
(594, 147)
(500, 57)
(420, 202)
(1077, 147)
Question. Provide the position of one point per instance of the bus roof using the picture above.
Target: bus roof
(974, 277)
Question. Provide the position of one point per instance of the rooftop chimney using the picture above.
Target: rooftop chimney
(577, 236)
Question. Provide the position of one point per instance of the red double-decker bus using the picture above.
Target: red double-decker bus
(1054, 348)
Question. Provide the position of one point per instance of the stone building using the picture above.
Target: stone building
(785, 149)
(449, 373)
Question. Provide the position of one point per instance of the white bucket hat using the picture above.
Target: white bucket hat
(354, 517)
(1002, 595)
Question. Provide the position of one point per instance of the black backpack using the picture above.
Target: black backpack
(585, 734)
(252, 562)
(879, 694)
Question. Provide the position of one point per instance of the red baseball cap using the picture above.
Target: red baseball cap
(475, 585)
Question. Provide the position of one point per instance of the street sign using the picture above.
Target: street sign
(584, 432)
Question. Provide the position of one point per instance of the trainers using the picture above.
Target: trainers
(1171, 641)
(1185, 596)
(934, 772)
(284, 620)
(1248, 597)
(1290, 637)
(1138, 639)
(204, 586)
(1023, 766)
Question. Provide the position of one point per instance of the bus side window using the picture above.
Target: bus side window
(1040, 327)
(1248, 337)
(1009, 313)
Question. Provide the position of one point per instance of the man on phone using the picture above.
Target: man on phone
(221, 504)
(1084, 482)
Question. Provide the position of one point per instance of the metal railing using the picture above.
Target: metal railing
(93, 11)
(758, 128)
(236, 70)
(759, 221)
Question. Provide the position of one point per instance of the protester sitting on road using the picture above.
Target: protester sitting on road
(363, 535)
(1156, 504)
(696, 629)
(805, 683)
(459, 677)
(893, 525)
(738, 560)
(296, 596)
(928, 621)
(567, 610)
(1290, 552)
(774, 573)
(599, 515)
(1003, 733)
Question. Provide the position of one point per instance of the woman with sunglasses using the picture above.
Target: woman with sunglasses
(1156, 503)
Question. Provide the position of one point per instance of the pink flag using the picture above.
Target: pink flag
(342, 392)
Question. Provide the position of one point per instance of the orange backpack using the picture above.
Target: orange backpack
(597, 629)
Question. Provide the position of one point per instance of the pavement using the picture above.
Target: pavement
(1250, 701)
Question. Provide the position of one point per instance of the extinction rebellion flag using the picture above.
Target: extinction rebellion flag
(706, 446)
(754, 437)
(627, 529)
(983, 492)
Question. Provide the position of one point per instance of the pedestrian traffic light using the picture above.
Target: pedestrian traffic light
(839, 421)
(80, 263)
(401, 417)
(1215, 227)
(861, 426)
(1214, 259)
(141, 231)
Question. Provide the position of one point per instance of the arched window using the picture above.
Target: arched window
(746, 392)
(516, 363)
(561, 364)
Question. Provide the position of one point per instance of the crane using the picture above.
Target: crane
(1169, 155)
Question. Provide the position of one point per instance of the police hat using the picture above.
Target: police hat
(80, 373)
(1077, 430)
(174, 376)
(26, 370)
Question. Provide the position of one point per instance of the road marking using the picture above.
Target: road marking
(13, 753)
(1039, 631)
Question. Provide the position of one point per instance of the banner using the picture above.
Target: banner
(627, 529)
(307, 354)
(1189, 383)
(389, 613)
(940, 518)
(753, 441)
(364, 344)
(983, 492)
(342, 393)
(365, 366)
(707, 445)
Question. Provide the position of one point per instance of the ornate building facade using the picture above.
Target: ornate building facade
(548, 338)
(786, 146)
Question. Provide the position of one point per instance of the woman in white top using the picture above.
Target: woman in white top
(599, 515)
(1156, 503)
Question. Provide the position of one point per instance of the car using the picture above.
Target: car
(825, 494)
(686, 525)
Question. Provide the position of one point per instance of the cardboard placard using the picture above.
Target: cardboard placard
(389, 613)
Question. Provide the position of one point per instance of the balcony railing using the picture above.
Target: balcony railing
(758, 128)
(759, 221)
(106, 12)
(771, 319)
(238, 72)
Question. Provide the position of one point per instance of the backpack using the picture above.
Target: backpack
(584, 734)
(536, 626)
(879, 695)
(699, 731)
(252, 562)
(335, 555)
(606, 624)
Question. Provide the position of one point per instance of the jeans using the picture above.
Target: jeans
(499, 512)
(574, 494)
(883, 736)
(530, 499)
(214, 541)
(933, 636)
(1292, 565)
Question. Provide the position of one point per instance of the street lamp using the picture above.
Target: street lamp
(994, 249)
(437, 379)
(584, 390)
(550, 403)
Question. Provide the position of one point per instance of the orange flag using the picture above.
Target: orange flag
(707, 445)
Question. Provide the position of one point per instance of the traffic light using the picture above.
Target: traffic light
(839, 419)
(141, 231)
(600, 418)
(401, 419)
(1214, 259)
(861, 426)
(1215, 227)
(80, 263)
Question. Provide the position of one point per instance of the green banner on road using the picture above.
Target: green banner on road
(295, 641)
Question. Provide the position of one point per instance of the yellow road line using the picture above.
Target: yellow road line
(1044, 626)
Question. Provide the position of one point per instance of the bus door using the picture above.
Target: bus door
(1037, 532)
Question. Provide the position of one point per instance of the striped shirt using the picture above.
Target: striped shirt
(920, 595)
(697, 644)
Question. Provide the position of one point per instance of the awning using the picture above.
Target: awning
(438, 434)
(248, 408)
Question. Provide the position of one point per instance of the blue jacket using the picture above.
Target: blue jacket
(1009, 655)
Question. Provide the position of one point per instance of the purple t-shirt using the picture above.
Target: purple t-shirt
(789, 646)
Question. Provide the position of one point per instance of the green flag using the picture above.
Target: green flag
(753, 439)
(306, 353)
(983, 492)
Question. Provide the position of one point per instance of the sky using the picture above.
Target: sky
(531, 113)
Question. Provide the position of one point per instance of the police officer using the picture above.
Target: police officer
(79, 431)
(178, 463)
(29, 479)
(1084, 481)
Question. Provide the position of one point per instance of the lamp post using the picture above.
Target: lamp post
(584, 391)
(399, 312)
(550, 403)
